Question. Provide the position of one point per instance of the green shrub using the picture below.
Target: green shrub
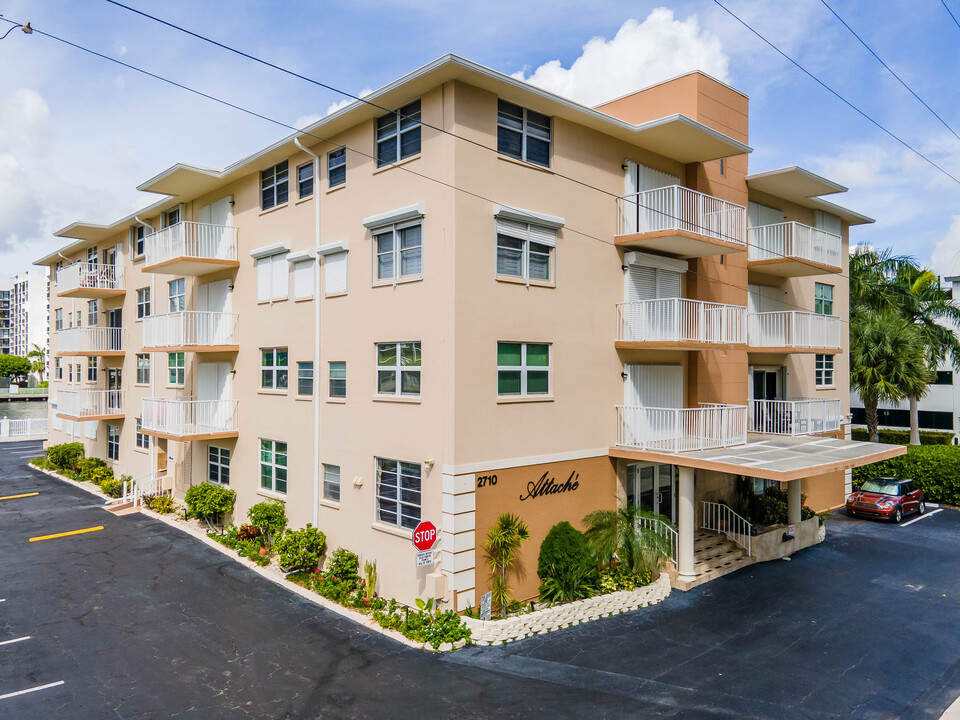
(423, 624)
(247, 532)
(269, 518)
(301, 549)
(44, 383)
(111, 486)
(566, 565)
(902, 437)
(616, 577)
(88, 466)
(935, 467)
(340, 577)
(209, 502)
(770, 508)
(162, 504)
(42, 463)
(65, 456)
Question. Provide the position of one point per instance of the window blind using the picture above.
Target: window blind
(335, 273)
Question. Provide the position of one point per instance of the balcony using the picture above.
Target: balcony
(81, 405)
(90, 280)
(103, 341)
(795, 417)
(191, 331)
(188, 419)
(792, 249)
(792, 331)
(678, 323)
(677, 221)
(191, 248)
(681, 429)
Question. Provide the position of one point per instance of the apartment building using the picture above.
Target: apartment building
(6, 289)
(24, 312)
(467, 296)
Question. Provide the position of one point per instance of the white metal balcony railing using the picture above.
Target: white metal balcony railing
(90, 276)
(90, 403)
(789, 240)
(90, 340)
(721, 519)
(179, 418)
(663, 530)
(681, 320)
(681, 429)
(191, 240)
(794, 328)
(795, 417)
(190, 327)
(678, 208)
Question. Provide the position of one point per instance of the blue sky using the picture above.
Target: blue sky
(77, 134)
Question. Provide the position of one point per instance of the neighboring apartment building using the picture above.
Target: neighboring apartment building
(24, 312)
(488, 300)
(6, 321)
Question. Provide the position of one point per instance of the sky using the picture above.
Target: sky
(78, 133)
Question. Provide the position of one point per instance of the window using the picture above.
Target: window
(93, 307)
(761, 484)
(304, 378)
(523, 134)
(137, 234)
(273, 465)
(70, 371)
(525, 251)
(398, 134)
(58, 319)
(523, 369)
(335, 273)
(273, 368)
(218, 465)
(305, 180)
(177, 368)
(338, 379)
(824, 371)
(399, 252)
(142, 441)
(79, 318)
(171, 217)
(92, 369)
(177, 294)
(92, 254)
(273, 278)
(337, 167)
(143, 369)
(303, 279)
(398, 493)
(331, 483)
(273, 186)
(57, 369)
(143, 302)
(398, 359)
(113, 442)
(944, 377)
(823, 299)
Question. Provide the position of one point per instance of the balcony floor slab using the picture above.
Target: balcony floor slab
(86, 418)
(92, 293)
(792, 267)
(191, 266)
(192, 348)
(680, 243)
(790, 349)
(91, 353)
(192, 436)
(675, 345)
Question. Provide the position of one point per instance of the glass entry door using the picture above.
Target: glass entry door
(653, 486)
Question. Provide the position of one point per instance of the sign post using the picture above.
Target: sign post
(486, 602)
(424, 538)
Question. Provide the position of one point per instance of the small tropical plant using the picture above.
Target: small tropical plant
(269, 518)
(162, 504)
(370, 578)
(623, 534)
(210, 503)
(566, 565)
(65, 456)
(301, 549)
(504, 539)
(38, 357)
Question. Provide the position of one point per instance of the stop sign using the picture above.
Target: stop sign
(425, 536)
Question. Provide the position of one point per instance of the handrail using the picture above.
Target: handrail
(794, 328)
(720, 518)
(681, 429)
(681, 320)
(190, 327)
(187, 416)
(90, 340)
(675, 207)
(145, 486)
(90, 403)
(92, 276)
(795, 417)
(664, 530)
(787, 240)
(191, 240)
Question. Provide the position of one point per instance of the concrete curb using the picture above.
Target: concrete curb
(81, 484)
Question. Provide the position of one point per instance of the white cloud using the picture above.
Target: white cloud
(306, 121)
(346, 101)
(946, 249)
(639, 55)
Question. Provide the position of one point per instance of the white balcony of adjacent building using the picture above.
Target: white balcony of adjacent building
(679, 430)
(191, 248)
(794, 331)
(100, 341)
(187, 419)
(90, 280)
(191, 330)
(680, 222)
(792, 249)
(680, 324)
(795, 417)
(83, 405)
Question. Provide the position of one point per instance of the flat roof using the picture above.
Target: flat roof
(803, 187)
(781, 458)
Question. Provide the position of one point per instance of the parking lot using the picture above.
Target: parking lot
(137, 620)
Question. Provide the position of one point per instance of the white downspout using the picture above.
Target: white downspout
(153, 356)
(316, 330)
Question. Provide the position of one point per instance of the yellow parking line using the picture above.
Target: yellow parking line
(14, 497)
(72, 532)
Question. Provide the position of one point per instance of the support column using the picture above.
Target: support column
(793, 502)
(686, 525)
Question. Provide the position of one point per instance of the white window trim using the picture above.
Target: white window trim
(398, 368)
(219, 464)
(376, 493)
(524, 369)
(392, 217)
(267, 250)
(333, 248)
(525, 260)
(274, 466)
(818, 373)
(508, 212)
(396, 278)
(339, 483)
(274, 369)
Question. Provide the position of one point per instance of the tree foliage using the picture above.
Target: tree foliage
(626, 533)
(14, 367)
(504, 539)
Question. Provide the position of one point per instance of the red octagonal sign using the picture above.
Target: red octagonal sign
(425, 536)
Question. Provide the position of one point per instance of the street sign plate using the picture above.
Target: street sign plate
(486, 600)
(426, 557)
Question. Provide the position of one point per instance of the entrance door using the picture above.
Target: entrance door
(653, 486)
(161, 457)
(213, 384)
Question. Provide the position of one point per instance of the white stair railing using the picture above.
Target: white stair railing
(721, 519)
(681, 320)
(679, 208)
(144, 487)
(663, 530)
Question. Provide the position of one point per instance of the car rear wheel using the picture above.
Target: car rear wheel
(923, 507)
(898, 515)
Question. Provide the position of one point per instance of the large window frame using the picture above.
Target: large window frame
(58, 319)
(177, 294)
(331, 483)
(337, 167)
(514, 378)
(398, 135)
(273, 466)
(92, 368)
(143, 302)
(305, 180)
(143, 368)
(176, 368)
(93, 312)
(526, 251)
(218, 465)
(824, 368)
(142, 441)
(113, 442)
(823, 299)
(398, 493)
(399, 366)
(396, 248)
(274, 374)
(138, 234)
(524, 134)
(305, 378)
(275, 185)
(337, 379)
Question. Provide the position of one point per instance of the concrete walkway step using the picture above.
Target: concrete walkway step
(125, 508)
(715, 555)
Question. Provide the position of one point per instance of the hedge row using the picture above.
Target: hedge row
(902, 437)
(935, 467)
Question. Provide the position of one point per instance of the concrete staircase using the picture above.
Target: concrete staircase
(714, 556)
(123, 508)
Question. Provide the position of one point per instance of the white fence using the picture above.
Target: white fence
(663, 530)
(795, 417)
(681, 320)
(681, 429)
(89, 403)
(720, 518)
(678, 208)
(794, 240)
(188, 417)
(23, 427)
(91, 276)
(146, 486)
(794, 328)
(90, 340)
(191, 240)
(190, 328)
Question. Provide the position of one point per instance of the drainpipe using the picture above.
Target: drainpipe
(153, 356)
(316, 330)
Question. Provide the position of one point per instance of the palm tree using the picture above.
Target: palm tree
(39, 357)
(627, 534)
(887, 362)
(504, 539)
(871, 272)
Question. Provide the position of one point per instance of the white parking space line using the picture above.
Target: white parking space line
(15, 640)
(30, 690)
(918, 519)
(933, 505)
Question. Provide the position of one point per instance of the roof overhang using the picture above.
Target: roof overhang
(799, 185)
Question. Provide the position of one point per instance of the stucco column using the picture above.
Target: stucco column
(686, 525)
(793, 502)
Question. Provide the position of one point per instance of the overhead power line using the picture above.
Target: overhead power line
(950, 13)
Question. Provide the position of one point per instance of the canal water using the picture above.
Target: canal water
(18, 409)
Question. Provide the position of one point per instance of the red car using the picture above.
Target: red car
(886, 498)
